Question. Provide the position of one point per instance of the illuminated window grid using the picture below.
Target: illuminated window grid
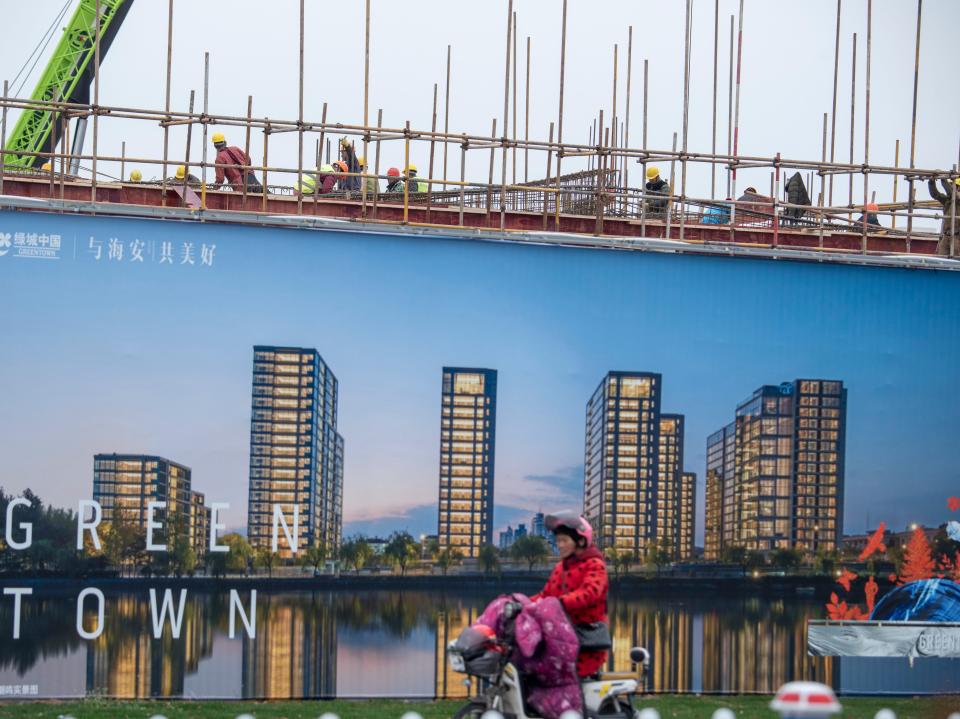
(296, 454)
(467, 439)
(620, 458)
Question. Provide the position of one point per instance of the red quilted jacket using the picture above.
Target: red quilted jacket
(580, 582)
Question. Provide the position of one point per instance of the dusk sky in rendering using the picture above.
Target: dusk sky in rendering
(120, 356)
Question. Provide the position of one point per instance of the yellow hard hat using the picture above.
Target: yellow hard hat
(362, 160)
(653, 171)
(411, 168)
(218, 138)
(46, 166)
(956, 181)
(181, 172)
(327, 168)
(135, 176)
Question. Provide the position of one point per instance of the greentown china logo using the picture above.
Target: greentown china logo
(4, 243)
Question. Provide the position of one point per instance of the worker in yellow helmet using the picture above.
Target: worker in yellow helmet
(373, 184)
(949, 244)
(46, 166)
(349, 158)
(233, 166)
(181, 175)
(416, 185)
(136, 176)
(658, 193)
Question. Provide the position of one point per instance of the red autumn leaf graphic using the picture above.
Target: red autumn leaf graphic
(917, 560)
(953, 504)
(875, 544)
(845, 579)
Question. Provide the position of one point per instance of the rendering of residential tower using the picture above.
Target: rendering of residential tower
(468, 423)
(775, 475)
(296, 454)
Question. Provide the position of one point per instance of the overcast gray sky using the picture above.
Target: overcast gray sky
(787, 74)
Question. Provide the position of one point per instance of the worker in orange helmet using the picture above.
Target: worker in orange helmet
(869, 215)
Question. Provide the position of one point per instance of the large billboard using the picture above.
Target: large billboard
(212, 411)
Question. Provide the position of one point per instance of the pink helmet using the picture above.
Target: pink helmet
(573, 521)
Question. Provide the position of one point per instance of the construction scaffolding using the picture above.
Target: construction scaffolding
(599, 200)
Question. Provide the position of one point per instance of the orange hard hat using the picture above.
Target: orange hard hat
(341, 165)
(872, 207)
(393, 172)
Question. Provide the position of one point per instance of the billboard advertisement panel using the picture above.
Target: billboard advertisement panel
(210, 434)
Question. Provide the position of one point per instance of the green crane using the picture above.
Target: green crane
(67, 78)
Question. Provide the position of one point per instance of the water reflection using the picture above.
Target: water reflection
(354, 644)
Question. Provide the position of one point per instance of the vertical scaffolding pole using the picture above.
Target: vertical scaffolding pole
(913, 126)
(613, 115)
(730, 110)
(688, 32)
(626, 130)
(673, 163)
(320, 148)
(493, 150)
(866, 129)
(446, 121)
(366, 112)
(514, 99)
(433, 129)
(266, 164)
(166, 127)
(643, 164)
(463, 162)
(833, 112)
(246, 146)
(123, 157)
(547, 183)
(563, 57)
(823, 160)
(896, 163)
(203, 153)
(300, 119)
(406, 164)
(598, 184)
(713, 146)
(506, 118)
(526, 122)
(376, 162)
(96, 103)
(736, 119)
(853, 116)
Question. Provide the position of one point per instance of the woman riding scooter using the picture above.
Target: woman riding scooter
(579, 581)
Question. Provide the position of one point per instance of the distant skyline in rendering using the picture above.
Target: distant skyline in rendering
(108, 357)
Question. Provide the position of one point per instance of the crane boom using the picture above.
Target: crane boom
(67, 78)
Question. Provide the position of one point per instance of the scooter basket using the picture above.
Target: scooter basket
(486, 664)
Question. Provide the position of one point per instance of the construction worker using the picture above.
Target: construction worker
(326, 179)
(307, 184)
(656, 185)
(46, 166)
(136, 176)
(235, 159)
(349, 158)
(394, 181)
(182, 173)
(869, 215)
(416, 185)
(340, 168)
(373, 184)
(950, 200)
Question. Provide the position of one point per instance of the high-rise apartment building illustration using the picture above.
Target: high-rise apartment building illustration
(468, 423)
(296, 453)
(775, 476)
(634, 483)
